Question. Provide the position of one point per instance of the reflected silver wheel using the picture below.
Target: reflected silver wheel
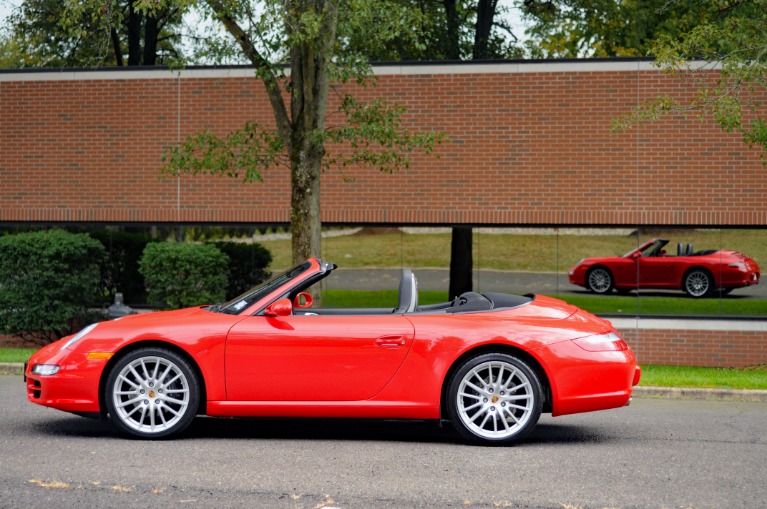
(599, 280)
(495, 398)
(152, 393)
(697, 283)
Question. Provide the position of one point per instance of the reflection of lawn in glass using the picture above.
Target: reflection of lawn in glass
(667, 306)
(538, 253)
(597, 304)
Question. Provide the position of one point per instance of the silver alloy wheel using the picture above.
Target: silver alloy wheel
(600, 280)
(495, 400)
(697, 283)
(151, 394)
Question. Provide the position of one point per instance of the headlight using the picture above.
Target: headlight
(610, 342)
(738, 265)
(77, 337)
(45, 369)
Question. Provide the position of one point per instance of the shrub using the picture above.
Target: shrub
(120, 271)
(47, 281)
(178, 274)
(247, 266)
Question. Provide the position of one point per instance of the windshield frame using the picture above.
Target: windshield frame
(252, 296)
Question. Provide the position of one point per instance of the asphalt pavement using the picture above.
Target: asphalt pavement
(653, 454)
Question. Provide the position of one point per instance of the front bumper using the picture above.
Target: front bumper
(75, 388)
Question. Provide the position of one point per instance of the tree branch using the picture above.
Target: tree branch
(284, 126)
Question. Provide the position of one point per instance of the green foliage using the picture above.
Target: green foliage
(736, 46)
(180, 275)
(51, 33)
(250, 150)
(248, 264)
(606, 28)
(120, 271)
(47, 281)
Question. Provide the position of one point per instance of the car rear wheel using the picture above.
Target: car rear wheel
(494, 399)
(599, 280)
(697, 283)
(152, 393)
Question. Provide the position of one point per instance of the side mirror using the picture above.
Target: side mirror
(637, 255)
(282, 307)
(303, 300)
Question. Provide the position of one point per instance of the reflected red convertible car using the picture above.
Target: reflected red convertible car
(489, 363)
(649, 266)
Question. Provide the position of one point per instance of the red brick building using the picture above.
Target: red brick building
(529, 143)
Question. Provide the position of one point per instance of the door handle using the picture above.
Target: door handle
(393, 341)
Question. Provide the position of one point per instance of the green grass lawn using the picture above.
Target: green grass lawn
(16, 354)
(669, 306)
(712, 378)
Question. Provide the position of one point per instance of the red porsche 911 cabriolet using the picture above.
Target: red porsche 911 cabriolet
(650, 266)
(488, 363)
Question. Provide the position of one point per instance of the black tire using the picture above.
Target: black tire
(697, 283)
(493, 391)
(152, 393)
(600, 280)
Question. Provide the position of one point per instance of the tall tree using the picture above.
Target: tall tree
(115, 34)
(735, 45)
(607, 28)
(310, 36)
(448, 30)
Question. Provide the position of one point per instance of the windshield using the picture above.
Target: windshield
(253, 295)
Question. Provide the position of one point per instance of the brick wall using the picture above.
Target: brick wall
(714, 348)
(529, 143)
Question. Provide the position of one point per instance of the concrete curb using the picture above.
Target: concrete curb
(10, 368)
(703, 394)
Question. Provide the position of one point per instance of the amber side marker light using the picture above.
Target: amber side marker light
(100, 355)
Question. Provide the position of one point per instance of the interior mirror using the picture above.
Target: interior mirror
(282, 307)
(303, 300)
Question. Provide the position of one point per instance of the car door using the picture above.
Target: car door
(314, 358)
(655, 271)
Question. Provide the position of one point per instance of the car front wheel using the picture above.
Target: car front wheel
(697, 283)
(599, 280)
(494, 399)
(152, 393)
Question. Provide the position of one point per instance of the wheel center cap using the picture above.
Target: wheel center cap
(151, 394)
(495, 398)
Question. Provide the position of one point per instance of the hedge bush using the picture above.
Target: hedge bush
(178, 274)
(47, 281)
(120, 271)
(247, 266)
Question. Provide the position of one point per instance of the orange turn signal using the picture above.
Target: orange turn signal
(100, 355)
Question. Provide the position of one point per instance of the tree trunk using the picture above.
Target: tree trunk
(134, 36)
(452, 47)
(305, 226)
(461, 261)
(151, 33)
(116, 47)
(485, 15)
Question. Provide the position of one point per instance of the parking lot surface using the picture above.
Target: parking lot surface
(653, 454)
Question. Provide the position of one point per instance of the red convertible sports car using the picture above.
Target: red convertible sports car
(488, 363)
(649, 266)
